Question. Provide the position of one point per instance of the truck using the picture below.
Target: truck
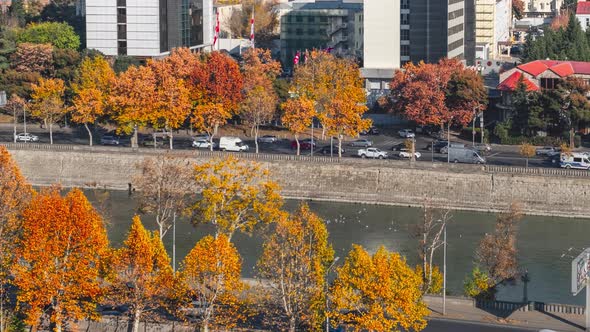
(227, 143)
(465, 155)
(574, 160)
(372, 153)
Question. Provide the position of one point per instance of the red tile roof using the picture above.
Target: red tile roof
(561, 68)
(583, 8)
(510, 83)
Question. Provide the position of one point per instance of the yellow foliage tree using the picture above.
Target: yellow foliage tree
(378, 293)
(528, 151)
(211, 277)
(47, 102)
(15, 194)
(236, 196)
(436, 277)
(294, 262)
(298, 115)
(343, 116)
(143, 275)
(208, 118)
(92, 89)
(60, 260)
(259, 107)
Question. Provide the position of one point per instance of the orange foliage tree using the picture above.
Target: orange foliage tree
(236, 196)
(298, 115)
(47, 102)
(133, 99)
(217, 88)
(377, 293)
(15, 194)
(211, 277)
(92, 90)
(343, 116)
(60, 260)
(143, 275)
(294, 261)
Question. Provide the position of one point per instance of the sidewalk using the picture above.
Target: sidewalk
(458, 310)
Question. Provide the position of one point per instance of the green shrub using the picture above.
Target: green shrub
(466, 133)
(536, 140)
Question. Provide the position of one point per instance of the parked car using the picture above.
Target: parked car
(398, 147)
(203, 144)
(227, 143)
(406, 133)
(267, 139)
(465, 155)
(362, 142)
(370, 131)
(109, 140)
(437, 145)
(445, 149)
(372, 153)
(326, 150)
(546, 150)
(27, 137)
(405, 153)
(206, 137)
(149, 142)
(305, 144)
(483, 148)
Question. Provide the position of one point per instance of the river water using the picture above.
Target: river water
(541, 242)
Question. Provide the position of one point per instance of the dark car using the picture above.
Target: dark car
(436, 145)
(370, 131)
(109, 140)
(398, 147)
(326, 150)
(305, 144)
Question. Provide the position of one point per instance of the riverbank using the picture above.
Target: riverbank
(386, 182)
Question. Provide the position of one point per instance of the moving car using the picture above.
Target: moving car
(109, 140)
(398, 147)
(406, 133)
(445, 149)
(305, 144)
(227, 143)
(465, 155)
(26, 137)
(326, 150)
(370, 131)
(267, 139)
(362, 142)
(546, 150)
(483, 148)
(437, 145)
(202, 143)
(405, 153)
(372, 153)
(575, 160)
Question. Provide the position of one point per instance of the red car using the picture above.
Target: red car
(303, 144)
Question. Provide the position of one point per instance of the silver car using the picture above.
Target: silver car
(27, 137)
(406, 133)
(202, 143)
(362, 142)
(267, 139)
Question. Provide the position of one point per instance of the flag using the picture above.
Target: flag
(252, 28)
(216, 30)
(296, 58)
(305, 58)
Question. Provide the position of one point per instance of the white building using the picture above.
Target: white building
(492, 26)
(145, 28)
(541, 8)
(583, 14)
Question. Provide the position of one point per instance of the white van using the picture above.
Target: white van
(232, 144)
(574, 160)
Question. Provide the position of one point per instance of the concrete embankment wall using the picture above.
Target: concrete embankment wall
(466, 187)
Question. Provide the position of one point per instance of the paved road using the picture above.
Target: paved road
(435, 325)
(501, 155)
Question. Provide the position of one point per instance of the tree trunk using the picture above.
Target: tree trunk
(205, 326)
(14, 142)
(171, 140)
(572, 134)
(136, 320)
(297, 141)
(256, 137)
(134, 142)
(292, 324)
(339, 146)
(1, 307)
(155, 141)
(89, 134)
(413, 151)
(51, 133)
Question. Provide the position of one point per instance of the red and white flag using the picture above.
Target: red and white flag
(252, 28)
(296, 58)
(216, 30)
(306, 57)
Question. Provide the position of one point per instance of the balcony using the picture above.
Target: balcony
(337, 27)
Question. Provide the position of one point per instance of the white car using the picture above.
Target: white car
(26, 137)
(406, 133)
(267, 139)
(202, 143)
(407, 154)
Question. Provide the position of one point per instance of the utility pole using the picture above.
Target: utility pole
(444, 308)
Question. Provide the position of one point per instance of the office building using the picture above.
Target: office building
(147, 28)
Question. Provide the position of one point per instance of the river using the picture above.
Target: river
(541, 241)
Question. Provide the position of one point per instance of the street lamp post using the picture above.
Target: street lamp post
(25, 119)
(327, 298)
(444, 310)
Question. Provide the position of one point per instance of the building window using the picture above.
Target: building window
(455, 29)
(299, 19)
(548, 83)
(311, 32)
(456, 14)
(587, 22)
(299, 31)
(121, 31)
(323, 19)
(121, 3)
(455, 45)
(122, 47)
(405, 50)
(121, 15)
(405, 19)
(405, 35)
(288, 19)
(311, 19)
(405, 4)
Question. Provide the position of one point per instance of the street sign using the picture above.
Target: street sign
(580, 271)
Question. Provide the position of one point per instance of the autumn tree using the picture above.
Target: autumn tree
(267, 21)
(298, 115)
(59, 34)
(377, 293)
(59, 262)
(218, 85)
(33, 58)
(47, 102)
(15, 194)
(336, 88)
(260, 99)
(528, 151)
(294, 263)
(235, 196)
(92, 89)
(497, 253)
(518, 9)
(429, 232)
(143, 275)
(575, 107)
(16, 105)
(133, 99)
(162, 187)
(173, 104)
(211, 276)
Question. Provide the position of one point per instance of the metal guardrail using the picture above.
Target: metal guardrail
(315, 159)
(558, 308)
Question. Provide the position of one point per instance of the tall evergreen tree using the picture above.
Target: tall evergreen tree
(576, 47)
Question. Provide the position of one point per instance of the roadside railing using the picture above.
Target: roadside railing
(314, 159)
